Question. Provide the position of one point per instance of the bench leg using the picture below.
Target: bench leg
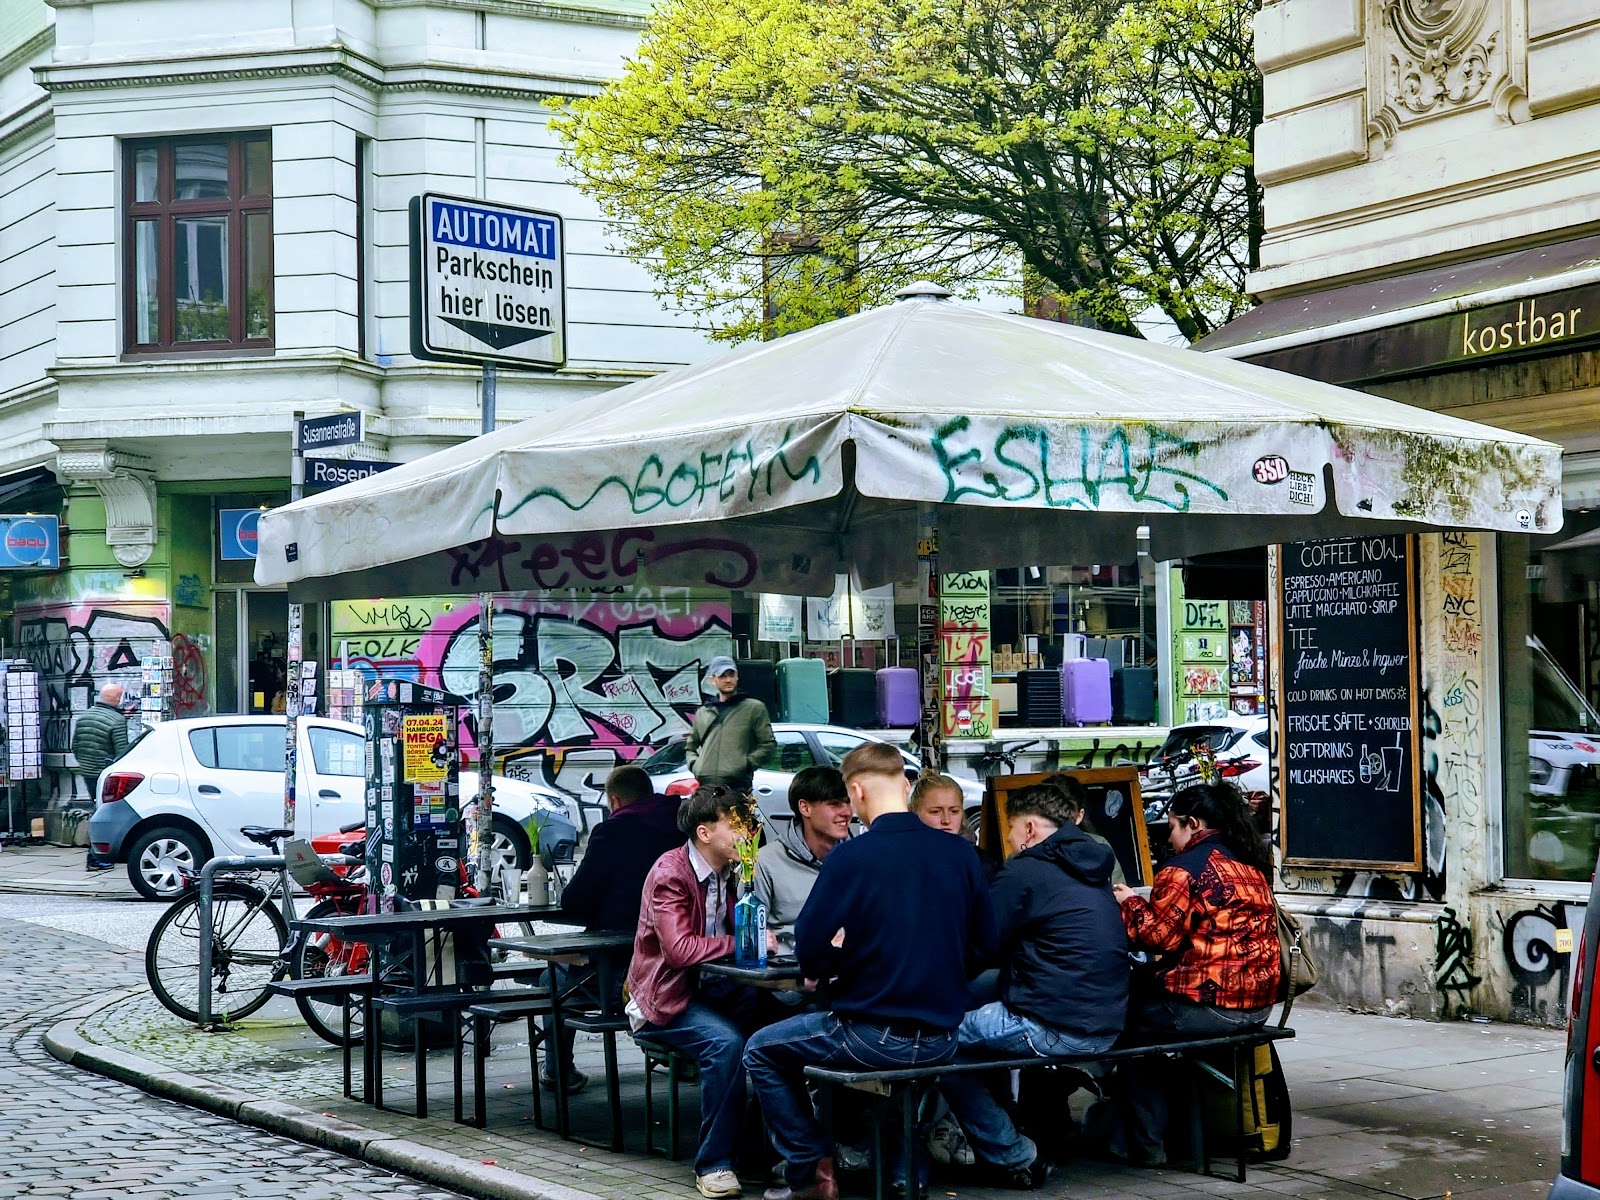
(534, 1037)
(613, 1092)
(649, 1106)
(673, 1110)
(1243, 1077)
(480, 1056)
(419, 1064)
(374, 1057)
(880, 1160)
(344, 1042)
(458, 1049)
(910, 1150)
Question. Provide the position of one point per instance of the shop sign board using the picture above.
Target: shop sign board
(1349, 721)
(238, 533)
(325, 473)
(29, 542)
(330, 431)
(488, 283)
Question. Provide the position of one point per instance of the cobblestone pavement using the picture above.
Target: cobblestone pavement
(65, 1132)
(1383, 1107)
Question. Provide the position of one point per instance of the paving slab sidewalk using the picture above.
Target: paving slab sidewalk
(1383, 1106)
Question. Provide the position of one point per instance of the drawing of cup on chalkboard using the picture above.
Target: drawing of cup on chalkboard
(1391, 766)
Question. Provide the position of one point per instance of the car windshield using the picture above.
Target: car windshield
(666, 761)
(1558, 705)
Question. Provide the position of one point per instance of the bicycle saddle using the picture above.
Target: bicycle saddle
(263, 836)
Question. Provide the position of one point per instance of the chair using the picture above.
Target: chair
(680, 1068)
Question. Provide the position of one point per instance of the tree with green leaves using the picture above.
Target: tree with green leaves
(776, 163)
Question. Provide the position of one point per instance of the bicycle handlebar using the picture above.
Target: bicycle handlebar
(353, 826)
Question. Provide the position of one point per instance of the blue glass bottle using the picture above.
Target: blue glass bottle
(749, 929)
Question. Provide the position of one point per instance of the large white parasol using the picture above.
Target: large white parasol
(775, 467)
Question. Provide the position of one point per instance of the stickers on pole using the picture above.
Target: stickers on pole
(488, 283)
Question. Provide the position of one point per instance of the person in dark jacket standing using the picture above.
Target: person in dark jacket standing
(899, 919)
(731, 737)
(1064, 968)
(605, 891)
(101, 736)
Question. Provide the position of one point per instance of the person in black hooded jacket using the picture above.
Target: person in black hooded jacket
(1064, 967)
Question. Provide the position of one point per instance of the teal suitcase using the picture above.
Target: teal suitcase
(803, 690)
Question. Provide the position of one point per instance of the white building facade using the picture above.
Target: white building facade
(1432, 194)
(203, 230)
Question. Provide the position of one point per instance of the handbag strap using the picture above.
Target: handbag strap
(1290, 967)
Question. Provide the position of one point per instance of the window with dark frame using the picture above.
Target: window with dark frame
(198, 234)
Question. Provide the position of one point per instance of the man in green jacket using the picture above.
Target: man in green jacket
(101, 736)
(730, 738)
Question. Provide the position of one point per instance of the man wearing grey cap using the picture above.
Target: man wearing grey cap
(731, 737)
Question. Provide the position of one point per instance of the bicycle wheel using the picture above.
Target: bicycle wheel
(322, 956)
(247, 939)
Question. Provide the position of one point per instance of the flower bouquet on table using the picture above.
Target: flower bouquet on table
(749, 913)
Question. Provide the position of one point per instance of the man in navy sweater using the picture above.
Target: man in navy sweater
(899, 919)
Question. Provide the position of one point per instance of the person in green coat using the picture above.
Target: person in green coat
(732, 736)
(101, 736)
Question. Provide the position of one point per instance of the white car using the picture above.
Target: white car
(181, 793)
(1241, 746)
(799, 746)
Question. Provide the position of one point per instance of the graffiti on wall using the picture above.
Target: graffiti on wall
(583, 680)
(1453, 977)
(1538, 943)
(79, 648)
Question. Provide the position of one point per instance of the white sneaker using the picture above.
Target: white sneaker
(947, 1144)
(717, 1185)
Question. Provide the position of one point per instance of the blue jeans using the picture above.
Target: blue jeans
(718, 1046)
(778, 1055)
(994, 1030)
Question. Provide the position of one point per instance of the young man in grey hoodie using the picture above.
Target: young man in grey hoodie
(791, 860)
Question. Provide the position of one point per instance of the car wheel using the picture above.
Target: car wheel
(163, 860)
(509, 844)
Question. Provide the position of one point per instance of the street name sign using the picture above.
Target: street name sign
(325, 473)
(488, 283)
(29, 542)
(335, 429)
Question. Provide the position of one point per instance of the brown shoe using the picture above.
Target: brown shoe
(824, 1186)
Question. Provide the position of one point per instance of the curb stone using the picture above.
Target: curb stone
(436, 1167)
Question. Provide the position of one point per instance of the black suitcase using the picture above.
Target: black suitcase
(853, 697)
(758, 677)
(1133, 695)
(1039, 699)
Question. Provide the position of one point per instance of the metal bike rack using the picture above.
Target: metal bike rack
(208, 873)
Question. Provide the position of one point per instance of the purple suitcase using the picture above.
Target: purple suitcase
(1086, 692)
(898, 689)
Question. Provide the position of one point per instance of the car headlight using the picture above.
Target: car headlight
(1539, 771)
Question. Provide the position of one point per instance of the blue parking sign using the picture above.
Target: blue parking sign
(238, 539)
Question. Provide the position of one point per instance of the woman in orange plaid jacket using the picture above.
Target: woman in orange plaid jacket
(1212, 929)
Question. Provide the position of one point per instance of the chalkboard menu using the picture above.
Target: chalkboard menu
(1348, 724)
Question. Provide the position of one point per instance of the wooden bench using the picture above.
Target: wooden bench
(348, 990)
(494, 1011)
(442, 1002)
(910, 1084)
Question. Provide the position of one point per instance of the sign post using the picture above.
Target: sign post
(488, 287)
(291, 684)
(482, 837)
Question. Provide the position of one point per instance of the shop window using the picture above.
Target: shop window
(198, 244)
(1550, 627)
